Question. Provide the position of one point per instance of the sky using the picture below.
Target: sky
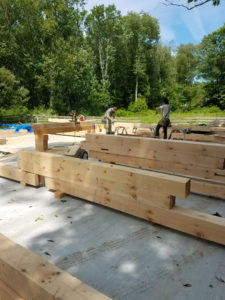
(177, 24)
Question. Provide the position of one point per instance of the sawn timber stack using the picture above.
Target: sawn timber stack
(142, 193)
(202, 162)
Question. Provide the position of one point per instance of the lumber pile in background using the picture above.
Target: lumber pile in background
(25, 276)
(142, 193)
(202, 162)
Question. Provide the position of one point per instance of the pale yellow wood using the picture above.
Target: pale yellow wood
(73, 169)
(208, 188)
(189, 221)
(8, 294)
(34, 278)
(73, 150)
(3, 141)
(59, 194)
(10, 172)
(140, 146)
(58, 120)
(61, 127)
(15, 173)
(198, 137)
(41, 142)
(108, 193)
(176, 168)
(190, 159)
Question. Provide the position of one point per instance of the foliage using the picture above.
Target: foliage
(139, 105)
(212, 67)
(12, 94)
(56, 57)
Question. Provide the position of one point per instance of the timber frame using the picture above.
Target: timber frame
(25, 276)
(41, 131)
(142, 193)
(203, 163)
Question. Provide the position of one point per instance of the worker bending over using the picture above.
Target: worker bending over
(165, 121)
(108, 119)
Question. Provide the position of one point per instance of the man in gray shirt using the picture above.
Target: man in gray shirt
(109, 115)
(165, 121)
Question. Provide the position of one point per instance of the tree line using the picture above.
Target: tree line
(56, 55)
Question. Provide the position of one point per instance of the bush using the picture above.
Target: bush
(138, 106)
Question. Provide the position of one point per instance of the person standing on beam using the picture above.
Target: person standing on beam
(108, 119)
(165, 121)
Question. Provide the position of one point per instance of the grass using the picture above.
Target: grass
(150, 117)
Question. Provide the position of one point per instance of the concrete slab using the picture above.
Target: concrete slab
(119, 255)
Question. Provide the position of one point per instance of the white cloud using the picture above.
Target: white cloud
(193, 22)
(167, 34)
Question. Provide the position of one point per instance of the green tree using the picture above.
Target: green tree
(212, 67)
(186, 63)
(12, 94)
(142, 35)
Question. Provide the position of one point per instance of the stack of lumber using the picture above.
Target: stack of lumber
(142, 193)
(199, 161)
(26, 276)
(198, 133)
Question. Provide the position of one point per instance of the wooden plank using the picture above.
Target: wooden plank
(73, 150)
(214, 189)
(112, 193)
(2, 141)
(10, 172)
(61, 127)
(8, 294)
(73, 169)
(59, 194)
(178, 169)
(208, 188)
(198, 137)
(41, 142)
(190, 159)
(15, 173)
(141, 146)
(34, 278)
(189, 221)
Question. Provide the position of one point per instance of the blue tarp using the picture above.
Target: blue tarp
(17, 127)
(23, 127)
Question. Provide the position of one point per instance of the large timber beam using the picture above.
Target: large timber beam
(52, 128)
(145, 194)
(24, 275)
(15, 173)
(89, 172)
(188, 221)
(201, 160)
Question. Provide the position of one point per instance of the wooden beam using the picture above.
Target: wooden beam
(41, 142)
(176, 168)
(59, 194)
(15, 173)
(186, 220)
(140, 146)
(61, 127)
(84, 171)
(8, 294)
(208, 188)
(2, 141)
(198, 137)
(32, 277)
